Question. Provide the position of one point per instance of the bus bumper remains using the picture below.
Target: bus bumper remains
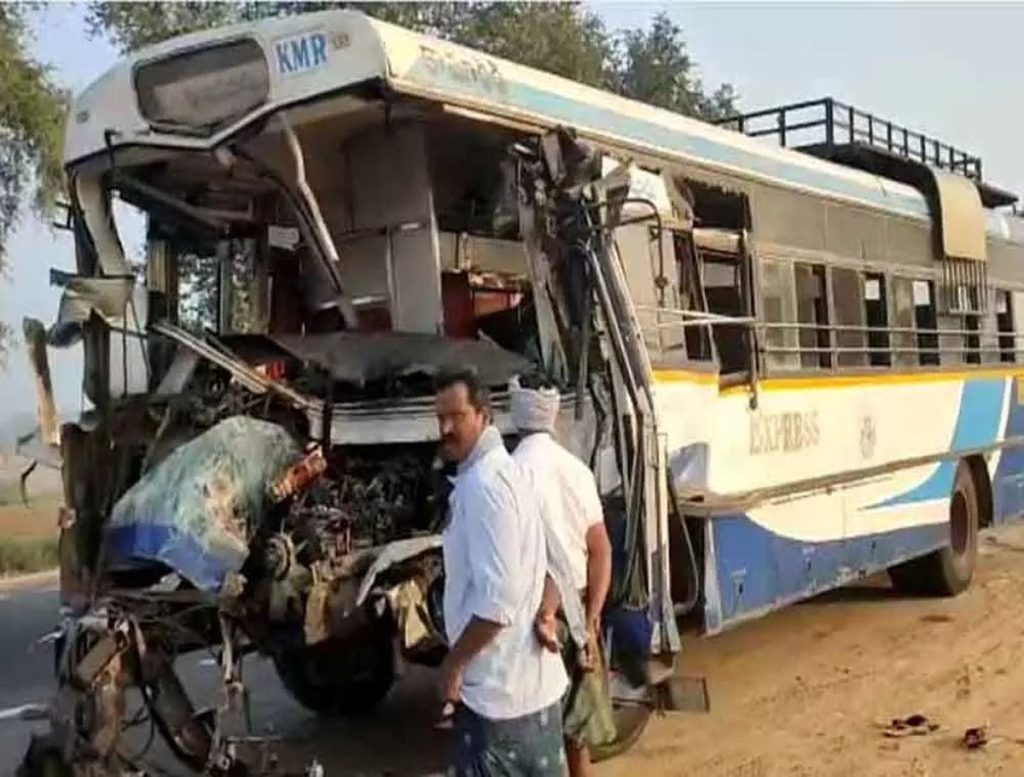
(100, 657)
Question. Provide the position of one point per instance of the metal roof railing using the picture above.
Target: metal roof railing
(822, 126)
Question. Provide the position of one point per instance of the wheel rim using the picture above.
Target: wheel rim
(959, 524)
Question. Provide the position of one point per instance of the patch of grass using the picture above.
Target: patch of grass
(19, 556)
(10, 493)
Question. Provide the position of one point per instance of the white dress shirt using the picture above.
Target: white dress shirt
(568, 493)
(495, 564)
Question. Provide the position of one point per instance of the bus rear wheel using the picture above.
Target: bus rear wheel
(947, 571)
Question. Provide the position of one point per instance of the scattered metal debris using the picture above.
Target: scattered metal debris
(912, 725)
(975, 738)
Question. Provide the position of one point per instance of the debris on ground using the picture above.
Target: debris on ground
(936, 617)
(975, 738)
(912, 725)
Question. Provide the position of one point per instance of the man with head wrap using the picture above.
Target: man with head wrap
(578, 545)
(504, 689)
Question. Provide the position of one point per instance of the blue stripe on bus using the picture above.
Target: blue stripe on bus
(756, 570)
(977, 426)
(1008, 482)
(564, 109)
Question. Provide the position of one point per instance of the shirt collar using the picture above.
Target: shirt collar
(489, 439)
(530, 439)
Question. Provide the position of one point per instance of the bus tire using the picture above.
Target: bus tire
(339, 677)
(947, 571)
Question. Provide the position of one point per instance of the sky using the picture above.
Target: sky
(952, 71)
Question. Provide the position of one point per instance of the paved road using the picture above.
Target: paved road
(26, 671)
(398, 739)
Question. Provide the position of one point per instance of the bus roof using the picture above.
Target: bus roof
(311, 55)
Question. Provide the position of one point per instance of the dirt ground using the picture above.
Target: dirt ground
(806, 691)
(39, 518)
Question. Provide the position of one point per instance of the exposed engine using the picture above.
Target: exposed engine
(371, 497)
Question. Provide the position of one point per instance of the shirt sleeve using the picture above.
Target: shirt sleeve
(492, 542)
(589, 499)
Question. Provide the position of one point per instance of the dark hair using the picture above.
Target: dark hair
(475, 390)
(536, 381)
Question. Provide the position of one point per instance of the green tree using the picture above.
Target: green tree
(653, 66)
(563, 38)
(32, 109)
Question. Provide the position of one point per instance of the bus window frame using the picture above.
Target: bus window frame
(229, 125)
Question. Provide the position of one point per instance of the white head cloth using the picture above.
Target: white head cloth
(533, 410)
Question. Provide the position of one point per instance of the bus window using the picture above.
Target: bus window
(778, 301)
(723, 287)
(197, 285)
(850, 312)
(222, 286)
(952, 342)
(877, 320)
(904, 320)
(1004, 325)
(691, 293)
(972, 325)
(812, 314)
(925, 322)
(243, 284)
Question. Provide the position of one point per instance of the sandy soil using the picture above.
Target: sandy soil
(807, 691)
(39, 518)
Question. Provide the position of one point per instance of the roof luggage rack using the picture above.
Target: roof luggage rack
(829, 129)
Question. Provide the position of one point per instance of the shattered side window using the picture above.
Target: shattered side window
(221, 287)
(243, 289)
(198, 273)
(778, 301)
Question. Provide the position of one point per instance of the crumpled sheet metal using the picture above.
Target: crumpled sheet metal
(365, 357)
(109, 298)
(408, 601)
(395, 553)
(197, 510)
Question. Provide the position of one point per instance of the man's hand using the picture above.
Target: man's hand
(590, 654)
(545, 626)
(451, 680)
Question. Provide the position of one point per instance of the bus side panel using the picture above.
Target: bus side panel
(1008, 480)
(751, 570)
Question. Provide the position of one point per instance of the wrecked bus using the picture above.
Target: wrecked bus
(786, 369)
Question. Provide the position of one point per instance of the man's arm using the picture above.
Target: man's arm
(551, 599)
(599, 572)
(545, 626)
(478, 634)
(491, 539)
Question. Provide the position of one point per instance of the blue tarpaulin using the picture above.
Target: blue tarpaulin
(197, 510)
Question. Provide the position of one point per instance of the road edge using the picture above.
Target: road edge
(28, 580)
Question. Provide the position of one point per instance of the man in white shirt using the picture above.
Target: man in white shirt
(506, 686)
(571, 510)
